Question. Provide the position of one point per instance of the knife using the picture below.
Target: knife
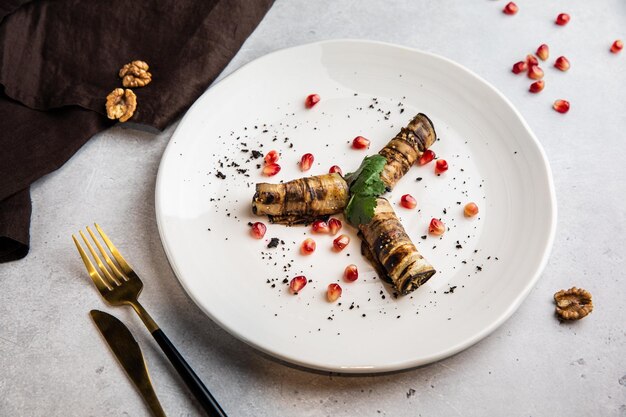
(128, 354)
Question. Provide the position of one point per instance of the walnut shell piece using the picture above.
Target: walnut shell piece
(121, 104)
(573, 304)
(135, 74)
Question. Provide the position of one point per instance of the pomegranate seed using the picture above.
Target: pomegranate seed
(562, 63)
(520, 67)
(436, 227)
(562, 106)
(335, 170)
(617, 46)
(341, 242)
(333, 292)
(535, 73)
(270, 170)
(308, 246)
(531, 60)
(470, 210)
(334, 225)
(441, 166)
(311, 100)
(360, 143)
(510, 8)
(351, 273)
(296, 284)
(426, 157)
(306, 161)
(408, 201)
(258, 230)
(537, 86)
(562, 19)
(271, 157)
(543, 52)
(320, 226)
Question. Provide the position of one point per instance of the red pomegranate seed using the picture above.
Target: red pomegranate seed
(441, 166)
(351, 273)
(306, 161)
(270, 170)
(311, 100)
(531, 60)
(297, 284)
(537, 86)
(543, 52)
(617, 46)
(535, 73)
(360, 143)
(257, 230)
(308, 246)
(271, 157)
(470, 210)
(562, 63)
(334, 225)
(408, 201)
(426, 157)
(335, 170)
(510, 8)
(341, 242)
(520, 67)
(562, 19)
(436, 227)
(562, 106)
(320, 226)
(333, 292)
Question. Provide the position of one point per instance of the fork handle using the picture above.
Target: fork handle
(194, 383)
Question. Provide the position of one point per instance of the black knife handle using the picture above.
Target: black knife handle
(194, 383)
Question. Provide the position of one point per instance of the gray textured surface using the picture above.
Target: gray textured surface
(53, 363)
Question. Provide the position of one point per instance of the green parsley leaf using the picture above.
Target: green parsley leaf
(365, 185)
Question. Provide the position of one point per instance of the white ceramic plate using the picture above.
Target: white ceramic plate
(370, 89)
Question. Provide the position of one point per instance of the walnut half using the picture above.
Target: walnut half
(121, 104)
(135, 74)
(573, 304)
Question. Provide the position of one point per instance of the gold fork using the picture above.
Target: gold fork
(118, 284)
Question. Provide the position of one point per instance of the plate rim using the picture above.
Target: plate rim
(404, 365)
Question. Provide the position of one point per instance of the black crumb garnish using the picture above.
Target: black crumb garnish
(256, 154)
(424, 237)
(220, 175)
(458, 246)
(250, 224)
(419, 179)
(479, 268)
(445, 211)
(273, 243)
(285, 281)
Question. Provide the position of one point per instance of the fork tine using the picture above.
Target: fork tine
(116, 254)
(108, 260)
(103, 268)
(100, 283)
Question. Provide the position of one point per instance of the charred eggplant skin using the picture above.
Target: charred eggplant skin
(406, 147)
(391, 251)
(301, 201)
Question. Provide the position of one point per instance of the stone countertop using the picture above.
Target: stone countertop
(53, 362)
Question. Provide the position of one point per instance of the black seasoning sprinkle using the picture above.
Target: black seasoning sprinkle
(273, 243)
(458, 246)
(418, 179)
(424, 237)
(479, 268)
(220, 175)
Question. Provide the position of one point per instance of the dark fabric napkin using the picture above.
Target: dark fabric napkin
(60, 58)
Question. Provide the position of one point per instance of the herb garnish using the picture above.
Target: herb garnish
(365, 186)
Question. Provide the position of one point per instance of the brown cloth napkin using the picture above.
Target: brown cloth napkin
(60, 58)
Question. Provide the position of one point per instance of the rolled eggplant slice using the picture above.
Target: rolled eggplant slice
(301, 201)
(402, 151)
(393, 255)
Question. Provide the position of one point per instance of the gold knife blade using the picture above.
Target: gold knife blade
(128, 354)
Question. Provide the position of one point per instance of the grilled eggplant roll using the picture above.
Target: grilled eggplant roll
(402, 151)
(390, 250)
(301, 201)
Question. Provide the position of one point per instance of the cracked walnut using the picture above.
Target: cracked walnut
(573, 304)
(121, 104)
(135, 74)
